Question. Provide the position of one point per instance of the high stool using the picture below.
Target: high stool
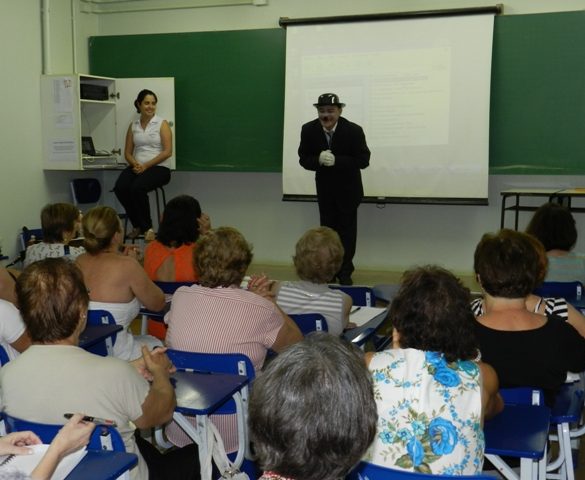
(158, 190)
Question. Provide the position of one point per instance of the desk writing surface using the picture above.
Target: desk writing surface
(94, 334)
(519, 431)
(103, 465)
(203, 393)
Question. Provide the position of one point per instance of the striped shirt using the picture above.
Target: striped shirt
(307, 297)
(552, 306)
(221, 320)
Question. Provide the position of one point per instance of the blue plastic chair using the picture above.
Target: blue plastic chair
(102, 317)
(362, 296)
(369, 471)
(171, 287)
(104, 437)
(231, 363)
(309, 322)
(4, 359)
(567, 290)
(168, 288)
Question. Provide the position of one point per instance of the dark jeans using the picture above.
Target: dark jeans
(132, 192)
(179, 463)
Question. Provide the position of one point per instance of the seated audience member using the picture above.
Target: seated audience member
(543, 305)
(61, 377)
(116, 281)
(217, 316)
(317, 259)
(8, 284)
(523, 347)
(432, 393)
(13, 335)
(73, 436)
(312, 411)
(60, 223)
(169, 258)
(554, 226)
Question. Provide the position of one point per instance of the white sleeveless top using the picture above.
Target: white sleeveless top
(147, 142)
(429, 413)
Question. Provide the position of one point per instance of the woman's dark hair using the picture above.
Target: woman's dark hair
(179, 224)
(509, 264)
(554, 226)
(52, 299)
(141, 95)
(431, 312)
(312, 411)
(57, 219)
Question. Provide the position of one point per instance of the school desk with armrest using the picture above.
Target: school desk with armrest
(106, 457)
(210, 383)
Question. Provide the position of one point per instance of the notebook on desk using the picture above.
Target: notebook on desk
(27, 463)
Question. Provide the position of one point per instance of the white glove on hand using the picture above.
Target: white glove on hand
(326, 158)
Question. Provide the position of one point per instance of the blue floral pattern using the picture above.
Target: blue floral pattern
(429, 413)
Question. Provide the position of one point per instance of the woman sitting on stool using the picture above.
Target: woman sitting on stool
(149, 144)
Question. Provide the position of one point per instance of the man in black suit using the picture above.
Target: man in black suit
(336, 150)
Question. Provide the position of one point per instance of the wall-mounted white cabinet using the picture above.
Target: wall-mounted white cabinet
(76, 108)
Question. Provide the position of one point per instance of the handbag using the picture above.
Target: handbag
(216, 452)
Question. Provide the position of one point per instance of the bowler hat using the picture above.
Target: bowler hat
(328, 99)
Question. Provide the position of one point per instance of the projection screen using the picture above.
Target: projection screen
(419, 87)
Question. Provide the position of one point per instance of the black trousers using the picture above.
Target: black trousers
(178, 463)
(132, 192)
(341, 217)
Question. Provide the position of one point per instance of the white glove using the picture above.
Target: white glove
(326, 158)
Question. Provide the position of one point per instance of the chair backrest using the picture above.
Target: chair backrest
(102, 317)
(4, 358)
(85, 191)
(362, 296)
(171, 287)
(369, 471)
(233, 363)
(310, 322)
(560, 289)
(104, 437)
(27, 234)
(522, 396)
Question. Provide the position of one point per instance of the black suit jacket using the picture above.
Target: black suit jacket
(342, 181)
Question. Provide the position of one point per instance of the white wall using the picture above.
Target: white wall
(393, 237)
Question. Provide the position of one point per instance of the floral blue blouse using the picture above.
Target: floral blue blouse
(429, 413)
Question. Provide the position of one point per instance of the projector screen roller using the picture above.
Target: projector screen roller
(420, 88)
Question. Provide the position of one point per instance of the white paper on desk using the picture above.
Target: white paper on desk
(364, 314)
(27, 463)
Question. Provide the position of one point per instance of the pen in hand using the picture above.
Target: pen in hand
(353, 310)
(96, 420)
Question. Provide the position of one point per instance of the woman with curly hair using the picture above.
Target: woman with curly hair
(318, 257)
(523, 346)
(431, 391)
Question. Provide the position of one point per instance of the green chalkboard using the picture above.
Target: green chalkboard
(229, 89)
(537, 122)
(229, 92)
